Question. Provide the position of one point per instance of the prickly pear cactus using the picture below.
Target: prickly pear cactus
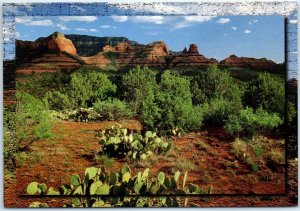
(116, 142)
(98, 183)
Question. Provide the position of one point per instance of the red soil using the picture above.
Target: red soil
(74, 146)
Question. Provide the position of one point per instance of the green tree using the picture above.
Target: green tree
(139, 86)
(215, 84)
(267, 91)
(250, 122)
(85, 89)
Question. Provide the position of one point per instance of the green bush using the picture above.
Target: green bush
(139, 86)
(291, 116)
(174, 101)
(86, 89)
(58, 101)
(218, 110)
(33, 119)
(11, 144)
(249, 122)
(268, 92)
(112, 56)
(112, 109)
(215, 84)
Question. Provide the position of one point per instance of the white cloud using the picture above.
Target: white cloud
(295, 21)
(18, 35)
(247, 31)
(40, 23)
(149, 19)
(197, 18)
(223, 20)
(119, 18)
(78, 18)
(29, 22)
(233, 28)
(252, 22)
(190, 20)
(104, 26)
(63, 27)
(80, 29)
(23, 19)
(294, 52)
(93, 30)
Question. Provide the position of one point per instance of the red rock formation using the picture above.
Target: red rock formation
(184, 51)
(58, 43)
(192, 58)
(252, 63)
(121, 47)
(98, 60)
(193, 50)
(157, 49)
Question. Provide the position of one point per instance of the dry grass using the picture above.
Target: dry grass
(239, 147)
(277, 157)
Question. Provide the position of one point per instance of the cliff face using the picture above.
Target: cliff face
(144, 55)
(252, 63)
(48, 54)
(90, 45)
(57, 51)
(54, 43)
(58, 43)
(192, 58)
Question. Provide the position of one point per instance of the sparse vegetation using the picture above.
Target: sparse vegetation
(201, 145)
(277, 157)
(240, 148)
(183, 164)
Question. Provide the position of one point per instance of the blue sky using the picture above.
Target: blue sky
(217, 37)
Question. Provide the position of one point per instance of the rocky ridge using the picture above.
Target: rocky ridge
(58, 50)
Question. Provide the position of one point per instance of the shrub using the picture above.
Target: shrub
(100, 182)
(118, 143)
(33, 118)
(11, 144)
(267, 92)
(240, 148)
(112, 56)
(174, 101)
(218, 111)
(291, 113)
(112, 109)
(86, 89)
(183, 164)
(215, 84)
(58, 101)
(276, 156)
(249, 122)
(139, 86)
(201, 145)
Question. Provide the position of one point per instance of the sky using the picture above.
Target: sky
(216, 36)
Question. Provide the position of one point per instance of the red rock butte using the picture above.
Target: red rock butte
(56, 48)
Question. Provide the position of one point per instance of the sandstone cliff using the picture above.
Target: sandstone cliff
(192, 58)
(57, 51)
(262, 64)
